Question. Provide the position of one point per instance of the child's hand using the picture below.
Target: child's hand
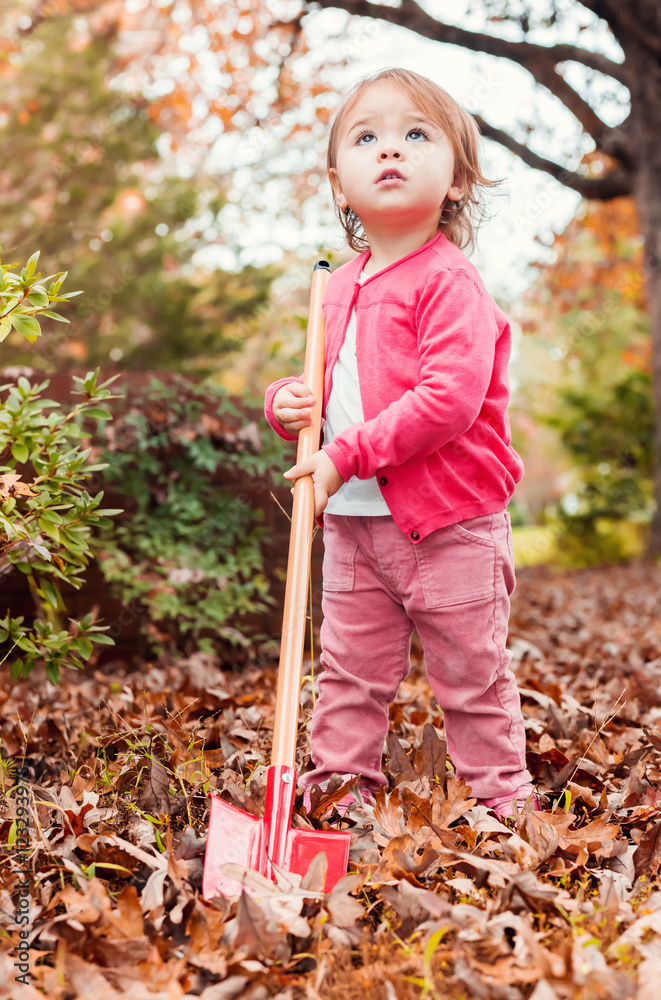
(291, 406)
(327, 480)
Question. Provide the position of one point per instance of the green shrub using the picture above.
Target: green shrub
(46, 521)
(186, 552)
(609, 431)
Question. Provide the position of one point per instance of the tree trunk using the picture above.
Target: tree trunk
(646, 141)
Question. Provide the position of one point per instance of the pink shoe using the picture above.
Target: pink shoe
(347, 801)
(504, 806)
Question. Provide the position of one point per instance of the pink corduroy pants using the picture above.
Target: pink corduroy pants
(453, 587)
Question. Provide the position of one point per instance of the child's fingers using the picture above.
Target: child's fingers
(289, 414)
(296, 422)
(298, 389)
(301, 396)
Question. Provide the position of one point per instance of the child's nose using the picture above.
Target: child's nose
(391, 153)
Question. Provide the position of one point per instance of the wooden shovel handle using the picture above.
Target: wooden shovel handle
(300, 539)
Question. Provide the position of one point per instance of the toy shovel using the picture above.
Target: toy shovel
(234, 835)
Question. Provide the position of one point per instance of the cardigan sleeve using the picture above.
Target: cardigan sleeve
(268, 406)
(457, 331)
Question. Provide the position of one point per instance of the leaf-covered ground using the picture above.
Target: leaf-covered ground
(442, 899)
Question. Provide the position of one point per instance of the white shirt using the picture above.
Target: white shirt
(344, 408)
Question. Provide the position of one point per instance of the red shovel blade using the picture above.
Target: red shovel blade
(253, 842)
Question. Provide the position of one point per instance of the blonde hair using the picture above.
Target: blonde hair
(459, 220)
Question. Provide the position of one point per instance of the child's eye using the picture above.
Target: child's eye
(419, 131)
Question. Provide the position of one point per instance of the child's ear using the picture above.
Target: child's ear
(338, 194)
(457, 189)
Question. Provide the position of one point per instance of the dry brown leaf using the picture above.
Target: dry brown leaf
(322, 801)
(343, 908)
(431, 757)
(449, 807)
(10, 486)
(388, 812)
(399, 764)
(647, 856)
(155, 797)
(255, 934)
(86, 979)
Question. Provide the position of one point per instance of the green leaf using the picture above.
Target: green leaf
(10, 530)
(53, 673)
(84, 646)
(32, 264)
(26, 325)
(104, 640)
(52, 517)
(5, 327)
(54, 288)
(54, 315)
(16, 669)
(10, 303)
(51, 277)
(38, 299)
(433, 943)
(51, 593)
(27, 645)
(20, 452)
(49, 529)
(98, 411)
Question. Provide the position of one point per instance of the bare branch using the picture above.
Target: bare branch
(598, 7)
(540, 61)
(410, 15)
(617, 182)
(616, 142)
(622, 15)
(550, 78)
(622, 23)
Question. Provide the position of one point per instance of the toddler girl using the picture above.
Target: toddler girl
(416, 468)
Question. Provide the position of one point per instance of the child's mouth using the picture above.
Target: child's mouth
(390, 181)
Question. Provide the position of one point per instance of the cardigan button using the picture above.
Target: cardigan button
(383, 481)
(415, 535)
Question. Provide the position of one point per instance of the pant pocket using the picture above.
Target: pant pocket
(457, 564)
(478, 530)
(339, 553)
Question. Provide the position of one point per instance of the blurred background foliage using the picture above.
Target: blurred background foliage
(83, 180)
(585, 372)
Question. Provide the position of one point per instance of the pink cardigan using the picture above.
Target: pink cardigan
(432, 353)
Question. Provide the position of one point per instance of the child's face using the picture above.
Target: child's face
(394, 135)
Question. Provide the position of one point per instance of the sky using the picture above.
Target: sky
(532, 205)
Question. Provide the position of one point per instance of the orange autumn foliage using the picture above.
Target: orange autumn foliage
(601, 249)
(252, 52)
(246, 41)
(598, 254)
